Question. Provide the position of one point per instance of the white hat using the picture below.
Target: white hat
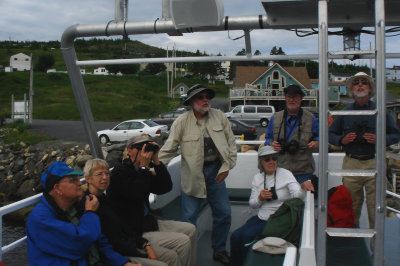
(272, 245)
(349, 83)
(266, 150)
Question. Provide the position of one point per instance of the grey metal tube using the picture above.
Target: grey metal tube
(82, 101)
(216, 59)
(115, 28)
(323, 131)
(380, 134)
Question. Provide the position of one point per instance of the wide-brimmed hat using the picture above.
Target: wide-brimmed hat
(266, 150)
(55, 172)
(195, 90)
(349, 83)
(272, 245)
(294, 89)
(138, 139)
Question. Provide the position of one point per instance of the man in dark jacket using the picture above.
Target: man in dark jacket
(128, 194)
(61, 233)
(357, 135)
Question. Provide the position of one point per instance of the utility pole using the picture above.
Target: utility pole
(31, 93)
(370, 61)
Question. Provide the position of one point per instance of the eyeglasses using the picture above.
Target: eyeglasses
(202, 96)
(273, 158)
(101, 174)
(363, 81)
(74, 179)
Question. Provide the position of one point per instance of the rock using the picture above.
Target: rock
(70, 160)
(22, 144)
(114, 158)
(20, 215)
(27, 189)
(19, 165)
(44, 157)
(53, 153)
(2, 168)
(81, 160)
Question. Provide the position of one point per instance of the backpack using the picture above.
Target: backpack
(286, 222)
(340, 208)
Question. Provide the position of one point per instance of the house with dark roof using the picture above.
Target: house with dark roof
(265, 84)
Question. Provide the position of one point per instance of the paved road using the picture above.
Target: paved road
(74, 130)
(67, 130)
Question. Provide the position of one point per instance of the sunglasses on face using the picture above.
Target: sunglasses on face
(273, 158)
(202, 96)
(363, 81)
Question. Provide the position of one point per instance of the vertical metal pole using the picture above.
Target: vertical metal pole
(380, 132)
(82, 101)
(25, 107)
(31, 93)
(12, 108)
(1, 239)
(323, 130)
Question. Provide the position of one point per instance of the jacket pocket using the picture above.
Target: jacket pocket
(190, 144)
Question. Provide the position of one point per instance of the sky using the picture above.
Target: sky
(45, 20)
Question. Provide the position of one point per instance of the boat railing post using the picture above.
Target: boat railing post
(323, 130)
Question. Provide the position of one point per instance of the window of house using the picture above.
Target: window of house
(275, 86)
(283, 82)
(275, 75)
(259, 86)
(26, 59)
(15, 59)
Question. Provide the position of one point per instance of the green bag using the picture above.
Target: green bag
(286, 222)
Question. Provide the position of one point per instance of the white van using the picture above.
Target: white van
(252, 113)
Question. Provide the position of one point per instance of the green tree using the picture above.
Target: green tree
(154, 68)
(124, 69)
(45, 62)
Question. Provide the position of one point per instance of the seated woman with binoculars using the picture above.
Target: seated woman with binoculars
(270, 188)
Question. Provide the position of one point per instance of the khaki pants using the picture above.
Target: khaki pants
(180, 240)
(356, 184)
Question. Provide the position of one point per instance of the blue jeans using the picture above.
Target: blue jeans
(217, 197)
(302, 178)
(243, 235)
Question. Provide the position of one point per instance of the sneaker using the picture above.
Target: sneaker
(221, 256)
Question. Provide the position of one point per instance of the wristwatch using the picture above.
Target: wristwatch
(144, 168)
(147, 245)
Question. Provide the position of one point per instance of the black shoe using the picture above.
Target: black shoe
(221, 256)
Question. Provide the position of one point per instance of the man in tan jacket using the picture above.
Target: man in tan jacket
(208, 152)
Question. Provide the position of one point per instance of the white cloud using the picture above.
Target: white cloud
(46, 20)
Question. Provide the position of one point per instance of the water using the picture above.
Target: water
(19, 255)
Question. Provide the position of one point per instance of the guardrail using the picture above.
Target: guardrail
(307, 245)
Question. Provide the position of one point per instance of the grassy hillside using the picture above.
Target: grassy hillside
(112, 98)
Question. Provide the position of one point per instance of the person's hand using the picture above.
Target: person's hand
(276, 145)
(150, 253)
(222, 176)
(307, 186)
(91, 203)
(144, 157)
(131, 264)
(350, 137)
(264, 195)
(313, 145)
(370, 138)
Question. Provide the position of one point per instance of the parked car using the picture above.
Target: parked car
(131, 128)
(240, 128)
(252, 113)
(168, 118)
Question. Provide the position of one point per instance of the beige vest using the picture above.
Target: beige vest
(302, 161)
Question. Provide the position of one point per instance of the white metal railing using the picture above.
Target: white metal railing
(264, 93)
(11, 208)
(290, 257)
(307, 245)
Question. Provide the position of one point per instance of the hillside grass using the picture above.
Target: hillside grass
(18, 132)
(112, 98)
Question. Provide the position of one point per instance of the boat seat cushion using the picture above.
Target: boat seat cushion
(260, 258)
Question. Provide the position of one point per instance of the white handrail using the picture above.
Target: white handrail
(307, 245)
(290, 257)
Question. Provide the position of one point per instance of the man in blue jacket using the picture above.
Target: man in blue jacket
(357, 135)
(61, 233)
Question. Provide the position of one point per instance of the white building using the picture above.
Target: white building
(335, 77)
(393, 74)
(100, 71)
(20, 62)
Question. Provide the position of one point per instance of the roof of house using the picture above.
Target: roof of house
(248, 74)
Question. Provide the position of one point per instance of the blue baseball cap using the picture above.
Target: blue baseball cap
(55, 172)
